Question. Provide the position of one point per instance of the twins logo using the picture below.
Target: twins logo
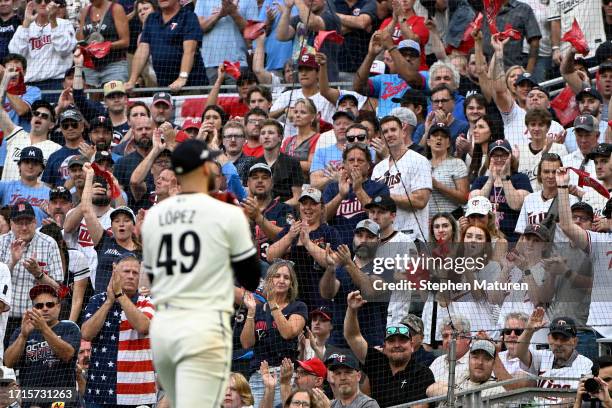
(38, 43)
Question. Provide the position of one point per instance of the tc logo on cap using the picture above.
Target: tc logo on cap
(582, 119)
(440, 124)
(499, 142)
(338, 357)
(561, 322)
(21, 207)
(526, 74)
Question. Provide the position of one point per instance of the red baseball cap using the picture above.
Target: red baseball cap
(194, 123)
(308, 60)
(314, 366)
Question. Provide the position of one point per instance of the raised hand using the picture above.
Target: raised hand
(32, 266)
(29, 15)
(355, 300)
(249, 302)
(376, 46)
(268, 378)
(562, 176)
(17, 249)
(344, 184)
(26, 324)
(498, 45)
(286, 371)
(38, 322)
(536, 320)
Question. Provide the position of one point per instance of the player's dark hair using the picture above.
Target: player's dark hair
(136, 104)
(276, 124)
(255, 111)
(391, 118)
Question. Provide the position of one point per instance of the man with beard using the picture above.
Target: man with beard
(101, 138)
(345, 377)
(252, 124)
(395, 378)
(56, 171)
(590, 102)
(75, 169)
(162, 109)
(142, 129)
(268, 215)
(60, 202)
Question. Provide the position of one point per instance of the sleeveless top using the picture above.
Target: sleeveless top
(107, 29)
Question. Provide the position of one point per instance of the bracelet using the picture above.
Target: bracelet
(250, 317)
(564, 186)
(556, 47)
(39, 277)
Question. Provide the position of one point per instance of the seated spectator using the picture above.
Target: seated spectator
(278, 323)
(420, 355)
(460, 326)
(238, 394)
(345, 377)
(172, 51)
(18, 105)
(287, 175)
(302, 145)
(505, 187)
(59, 340)
(120, 315)
(443, 107)
(46, 41)
(305, 398)
(390, 368)
(252, 124)
(234, 140)
(513, 327)
(449, 174)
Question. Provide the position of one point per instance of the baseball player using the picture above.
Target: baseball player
(192, 242)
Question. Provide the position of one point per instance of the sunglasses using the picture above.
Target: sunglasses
(398, 330)
(68, 125)
(42, 1)
(360, 138)
(49, 305)
(39, 114)
(508, 332)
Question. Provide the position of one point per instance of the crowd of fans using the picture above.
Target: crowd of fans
(447, 147)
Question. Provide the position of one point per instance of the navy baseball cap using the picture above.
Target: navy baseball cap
(71, 114)
(589, 91)
(103, 155)
(101, 121)
(164, 97)
(500, 144)
(323, 311)
(582, 206)
(60, 192)
(383, 202)
(32, 153)
(338, 360)
(525, 77)
(44, 104)
(191, 154)
(565, 326)
(346, 114)
(22, 210)
(602, 150)
(439, 127)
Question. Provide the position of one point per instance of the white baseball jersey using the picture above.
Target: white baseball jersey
(515, 130)
(15, 143)
(534, 211)
(594, 199)
(399, 302)
(528, 162)
(190, 241)
(410, 173)
(6, 293)
(575, 160)
(600, 310)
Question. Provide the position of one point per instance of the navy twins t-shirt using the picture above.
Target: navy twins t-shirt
(277, 213)
(109, 252)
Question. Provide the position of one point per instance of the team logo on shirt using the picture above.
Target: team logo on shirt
(356, 12)
(38, 43)
(173, 26)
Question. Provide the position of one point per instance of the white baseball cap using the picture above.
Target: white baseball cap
(478, 205)
(8, 373)
(405, 115)
(377, 68)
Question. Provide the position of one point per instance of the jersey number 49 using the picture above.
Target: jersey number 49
(189, 250)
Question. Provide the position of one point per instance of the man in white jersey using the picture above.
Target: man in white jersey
(560, 362)
(603, 171)
(192, 242)
(408, 176)
(586, 128)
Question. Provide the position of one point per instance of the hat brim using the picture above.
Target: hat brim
(162, 101)
(562, 333)
(40, 289)
(504, 148)
(320, 313)
(309, 196)
(584, 127)
(115, 213)
(335, 366)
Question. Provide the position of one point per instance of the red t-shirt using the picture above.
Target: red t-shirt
(252, 152)
(417, 24)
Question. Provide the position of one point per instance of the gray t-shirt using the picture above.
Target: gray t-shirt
(446, 173)
(361, 401)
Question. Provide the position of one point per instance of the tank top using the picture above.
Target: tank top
(107, 29)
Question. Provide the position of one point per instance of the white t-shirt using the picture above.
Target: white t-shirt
(410, 173)
(6, 294)
(515, 130)
(326, 139)
(534, 211)
(15, 143)
(575, 160)
(189, 242)
(528, 162)
(78, 265)
(439, 367)
(600, 310)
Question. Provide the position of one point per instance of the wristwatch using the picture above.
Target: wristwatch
(507, 178)
(118, 295)
(39, 277)
(184, 75)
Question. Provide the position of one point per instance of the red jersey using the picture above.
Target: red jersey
(417, 25)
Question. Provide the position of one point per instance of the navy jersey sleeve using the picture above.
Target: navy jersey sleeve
(330, 192)
(479, 182)
(331, 20)
(50, 174)
(192, 29)
(299, 308)
(332, 237)
(71, 334)
(520, 181)
(145, 36)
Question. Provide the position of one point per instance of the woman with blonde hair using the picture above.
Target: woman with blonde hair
(272, 328)
(302, 146)
(238, 394)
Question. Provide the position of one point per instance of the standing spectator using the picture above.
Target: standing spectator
(222, 22)
(117, 324)
(170, 36)
(234, 141)
(103, 21)
(6, 296)
(46, 42)
(408, 176)
(277, 53)
(544, 63)
(345, 375)
(252, 123)
(143, 180)
(18, 107)
(358, 20)
(443, 107)
(9, 22)
(33, 258)
(60, 202)
(586, 128)
(56, 344)
(302, 145)
(590, 102)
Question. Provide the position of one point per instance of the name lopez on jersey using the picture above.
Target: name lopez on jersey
(174, 216)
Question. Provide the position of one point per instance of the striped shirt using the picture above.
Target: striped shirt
(121, 366)
(43, 248)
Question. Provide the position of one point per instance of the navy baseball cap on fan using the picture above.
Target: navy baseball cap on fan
(71, 114)
(60, 192)
(32, 153)
(163, 97)
(439, 127)
(565, 326)
(525, 77)
(588, 91)
(383, 202)
(500, 144)
(345, 97)
(103, 155)
(22, 210)
(338, 360)
(582, 206)
(190, 155)
(101, 121)
(323, 311)
(346, 114)
(602, 150)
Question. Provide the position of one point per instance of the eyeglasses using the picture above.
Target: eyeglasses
(361, 138)
(234, 136)
(508, 332)
(40, 114)
(49, 305)
(68, 125)
(43, 1)
(296, 403)
(440, 101)
(255, 121)
(581, 218)
(398, 330)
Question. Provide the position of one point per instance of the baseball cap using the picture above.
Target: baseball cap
(409, 45)
(113, 87)
(311, 193)
(391, 331)
(586, 122)
(414, 96)
(368, 225)
(60, 192)
(565, 326)
(346, 114)
(603, 52)
(478, 205)
(308, 60)
(314, 366)
(439, 127)
(193, 123)
(103, 155)
(260, 167)
(414, 322)
(32, 153)
(323, 311)
(44, 104)
(77, 160)
(541, 89)
(123, 210)
(8, 373)
(500, 144)
(164, 97)
(338, 360)
(607, 211)
(377, 68)
(483, 345)
(22, 210)
(71, 114)
(383, 202)
(405, 115)
(605, 66)
(101, 121)
(582, 206)
(538, 230)
(190, 155)
(40, 289)
(602, 150)
(591, 92)
(525, 76)
(346, 96)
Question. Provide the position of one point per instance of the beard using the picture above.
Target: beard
(365, 250)
(103, 146)
(101, 200)
(144, 143)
